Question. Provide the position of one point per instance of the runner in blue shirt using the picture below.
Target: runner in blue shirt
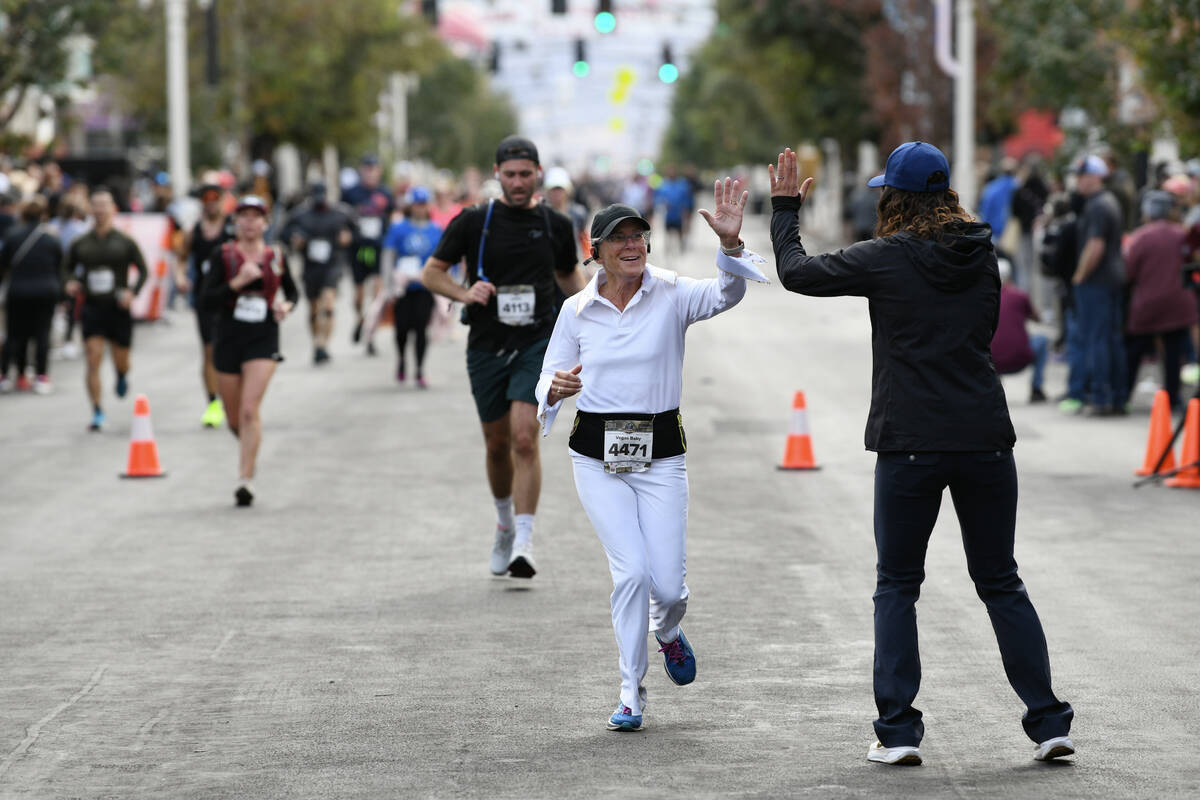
(408, 244)
(675, 195)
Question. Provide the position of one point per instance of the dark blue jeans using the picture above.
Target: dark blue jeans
(908, 494)
(1097, 369)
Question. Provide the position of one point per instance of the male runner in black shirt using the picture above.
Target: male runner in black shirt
(199, 244)
(320, 232)
(97, 264)
(516, 251)
(373, 206)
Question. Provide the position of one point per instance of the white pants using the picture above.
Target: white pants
(641, 519)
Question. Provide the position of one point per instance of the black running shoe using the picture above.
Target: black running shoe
(320, 355)
(244, 496)
(357, 336)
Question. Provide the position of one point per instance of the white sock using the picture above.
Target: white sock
(504, 512)
(669, 635)
(524, 528)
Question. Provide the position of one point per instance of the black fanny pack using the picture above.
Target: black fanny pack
(587, 434)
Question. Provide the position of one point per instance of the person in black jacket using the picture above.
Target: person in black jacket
(31, 254)
(938, 419)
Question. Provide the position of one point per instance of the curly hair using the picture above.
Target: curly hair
(926, 215)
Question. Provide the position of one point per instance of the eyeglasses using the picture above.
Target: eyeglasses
(619, 239)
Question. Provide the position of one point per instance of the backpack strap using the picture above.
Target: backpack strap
(487, 221)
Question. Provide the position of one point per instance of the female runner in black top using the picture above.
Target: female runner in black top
(249, 287)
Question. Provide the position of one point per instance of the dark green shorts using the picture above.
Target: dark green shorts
(497, 380)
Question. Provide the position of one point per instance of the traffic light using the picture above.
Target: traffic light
(430, 9)
(558, 6)
(668, 72)
(581, 67)
(605, 21)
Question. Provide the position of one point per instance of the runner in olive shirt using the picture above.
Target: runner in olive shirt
(516, 251)
(97, 264)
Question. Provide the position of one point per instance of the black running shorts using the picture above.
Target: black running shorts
(319, 278)
(237, 343)
(497, 379)
(109, 321)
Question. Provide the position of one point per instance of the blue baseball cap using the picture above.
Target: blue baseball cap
(1092, 165)
(418, 194)
(915, 167)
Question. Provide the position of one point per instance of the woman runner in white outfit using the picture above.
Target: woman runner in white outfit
(618, 344)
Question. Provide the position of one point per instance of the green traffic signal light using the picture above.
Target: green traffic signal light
(581, 69)
(605, 22)
(668, 73)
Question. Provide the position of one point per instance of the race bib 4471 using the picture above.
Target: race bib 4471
(628, 445)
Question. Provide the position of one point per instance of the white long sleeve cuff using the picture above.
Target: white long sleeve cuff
(743, 266)
(546, 414)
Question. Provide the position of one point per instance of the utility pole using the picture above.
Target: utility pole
(964, 107)
(399, 85)
(962, 70)
(178, 125)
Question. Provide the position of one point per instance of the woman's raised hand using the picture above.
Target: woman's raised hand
(785, 177)
(726, 218)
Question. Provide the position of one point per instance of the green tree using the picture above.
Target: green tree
(307, 72)
(1165, 37)
(32, 33)
(1050, 54)
(455, 120)
(773, 72)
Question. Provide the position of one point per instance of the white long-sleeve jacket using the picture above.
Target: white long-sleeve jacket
(633, 359)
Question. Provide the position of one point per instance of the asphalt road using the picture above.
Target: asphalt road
(343, 638)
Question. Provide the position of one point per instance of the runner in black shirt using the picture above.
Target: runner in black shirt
(97, 264)
(516, 251)
(199, 244)
(249, 288)
(373, 206)
(320, 233)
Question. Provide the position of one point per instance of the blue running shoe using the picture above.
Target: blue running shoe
(679, 660)
(122, 385)
(97, 421)
(623, 719)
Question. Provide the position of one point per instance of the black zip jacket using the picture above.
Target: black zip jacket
(934, 306)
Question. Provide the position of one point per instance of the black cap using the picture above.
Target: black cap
(369, 160)
(513, 147)
(610, 217)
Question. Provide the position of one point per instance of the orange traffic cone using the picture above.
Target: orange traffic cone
(798, 453)
(1159, 438)
(143, 452)
(1189, 476)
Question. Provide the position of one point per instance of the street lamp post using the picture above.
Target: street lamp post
(178, 157)
(962, 70)
(964, 106)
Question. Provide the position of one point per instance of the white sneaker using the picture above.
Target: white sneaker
(502, 550)
(6, 385)
(521, 565)
(900, 756)
(1054, 748)
(70, 351)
